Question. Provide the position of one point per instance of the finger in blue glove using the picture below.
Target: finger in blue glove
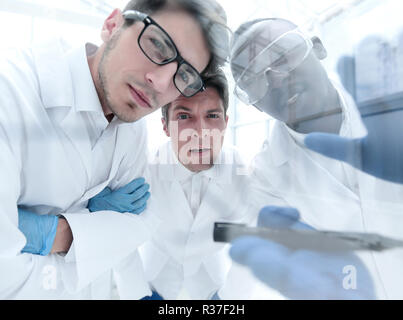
(132, 186)
(141, 202)
(380, 155)
(281, 217)
(298, 274)
(130, 198)
(139, 192)
(336, 147)
(265, 258)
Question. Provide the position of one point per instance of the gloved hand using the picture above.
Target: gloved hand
(39, 230)
(130, 198)
(380, 153)
(155, 296)
(301, 274)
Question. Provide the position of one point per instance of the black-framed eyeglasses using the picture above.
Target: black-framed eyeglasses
(158, 46)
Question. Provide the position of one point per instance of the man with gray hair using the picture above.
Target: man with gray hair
(71, 126)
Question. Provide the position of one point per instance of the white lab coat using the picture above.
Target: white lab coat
(182, 254)
(49, 163)
(332, 195)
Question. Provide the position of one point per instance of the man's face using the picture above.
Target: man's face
(288, 94)
(196, 127)
(129, 84)
(296, 94)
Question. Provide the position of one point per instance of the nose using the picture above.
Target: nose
(201, 130)
(199, 126)
(161, 77)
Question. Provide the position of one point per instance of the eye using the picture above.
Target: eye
(159, 50)
(183, 116)
(184, 76)
(213, 115)
(157, 44)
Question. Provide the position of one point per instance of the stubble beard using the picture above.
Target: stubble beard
(105, 96)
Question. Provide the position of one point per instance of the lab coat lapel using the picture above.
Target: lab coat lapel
(214, 207)
(280, 145)
(182, 205)
(75, 129)
(225, 181)
(214, 204)
(170, 171)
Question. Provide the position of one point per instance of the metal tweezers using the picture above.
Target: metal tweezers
(308, 239)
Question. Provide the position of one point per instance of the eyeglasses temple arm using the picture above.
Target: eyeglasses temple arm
(134, 15)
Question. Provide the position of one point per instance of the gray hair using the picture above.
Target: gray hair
(217, 81)
(210, 16)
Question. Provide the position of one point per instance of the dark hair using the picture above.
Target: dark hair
(208, 13)
(217, 81)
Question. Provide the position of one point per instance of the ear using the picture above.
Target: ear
(165, 127)
(226, 121)
(318, 48)
(114, 21)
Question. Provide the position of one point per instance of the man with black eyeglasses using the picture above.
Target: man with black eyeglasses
(71, 126)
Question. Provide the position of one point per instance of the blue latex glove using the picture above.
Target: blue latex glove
(379, 154)
(39, 230)
(300, 274)
(155, 296)
(215, 296)
(130, 198)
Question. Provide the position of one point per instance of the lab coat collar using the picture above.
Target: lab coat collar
(55, 82)
(353, 126)
(65, 79)
(85, 94)
(170, 169)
